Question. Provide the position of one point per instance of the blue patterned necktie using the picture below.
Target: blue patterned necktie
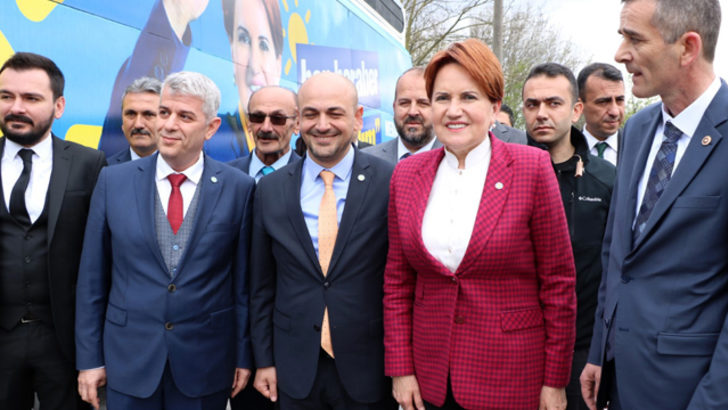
(267, 170)
(405, 156)
(659, 177)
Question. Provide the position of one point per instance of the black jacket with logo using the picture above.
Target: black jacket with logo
(586, 202)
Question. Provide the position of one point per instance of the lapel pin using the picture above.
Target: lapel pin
(498, 185)
(213, 179)
(706, 140)
(361, 177)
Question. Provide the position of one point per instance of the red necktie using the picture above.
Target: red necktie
(174, 207)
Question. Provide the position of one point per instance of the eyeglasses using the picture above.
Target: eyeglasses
(275, 119)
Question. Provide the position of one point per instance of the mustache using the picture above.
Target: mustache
(414, 118)
(140, 131)
(266, 135)
(18, 118)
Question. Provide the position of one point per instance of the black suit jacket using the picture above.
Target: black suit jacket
(243, 163)
(289, 291)
(120, 157)
(73, 177)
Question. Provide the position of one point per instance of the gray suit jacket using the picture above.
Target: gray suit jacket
(388, 150)
(508, 134)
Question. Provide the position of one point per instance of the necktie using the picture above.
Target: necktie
(405, 156)
(659, 177)
(328, 227)
(175, 206)
(266, 170)
(601, 146)
(17, 196)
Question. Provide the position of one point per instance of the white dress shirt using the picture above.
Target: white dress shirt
(187, 189)
(401, 149)
(687, 122)
(40, 174)
(453, 205)
(610, 153)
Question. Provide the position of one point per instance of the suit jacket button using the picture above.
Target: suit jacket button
(460, 319)
(317, 328)
(171, 288)
(327, 284)
(626, 279)
(455, 279)
(169, 326)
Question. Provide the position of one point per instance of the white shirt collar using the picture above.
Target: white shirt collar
(401, 149)
(612, 140)
(473, 158)
(193, 173)
(689, 118)
(43, 150)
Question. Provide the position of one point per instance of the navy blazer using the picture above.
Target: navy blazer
(667, 294)
(133, 315)
(120, 157)
(289, 291)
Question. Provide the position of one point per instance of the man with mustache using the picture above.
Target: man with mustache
(46, 185)
(139, 110)
(550, 107)
(273, 119)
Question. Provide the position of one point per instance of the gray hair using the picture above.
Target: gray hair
(673, 18)
(195, 85)
(143, 85)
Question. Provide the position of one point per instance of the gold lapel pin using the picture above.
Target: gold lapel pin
(498, 185)
(213, 179)
(361, 177)
(706, 140)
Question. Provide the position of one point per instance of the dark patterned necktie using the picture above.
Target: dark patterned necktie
(601, 146)
(659, 177)
(17, 196)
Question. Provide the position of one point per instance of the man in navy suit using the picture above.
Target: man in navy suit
(318, 252)
(162, 290)
(661, 332)
(273, 119)
(139, 110)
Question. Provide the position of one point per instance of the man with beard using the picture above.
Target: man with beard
(412, 118)
(46, 184)
(139, 110)
(273, 119)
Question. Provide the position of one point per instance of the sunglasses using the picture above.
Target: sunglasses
(275, 119)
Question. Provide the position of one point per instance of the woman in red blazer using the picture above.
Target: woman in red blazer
(479, 301)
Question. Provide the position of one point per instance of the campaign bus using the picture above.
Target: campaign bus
(242, 45)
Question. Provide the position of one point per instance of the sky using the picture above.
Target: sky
(592, 26)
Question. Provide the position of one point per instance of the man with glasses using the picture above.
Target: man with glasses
(272, 117)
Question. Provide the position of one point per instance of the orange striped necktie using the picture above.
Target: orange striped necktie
(328, 227)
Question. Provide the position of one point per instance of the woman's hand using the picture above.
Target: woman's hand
(407, 392)
(552, 398)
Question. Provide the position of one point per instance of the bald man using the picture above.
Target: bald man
(318, 252)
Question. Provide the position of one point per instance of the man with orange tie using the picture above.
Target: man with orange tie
(318, 252)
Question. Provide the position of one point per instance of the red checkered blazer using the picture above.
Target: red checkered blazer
(503, 325)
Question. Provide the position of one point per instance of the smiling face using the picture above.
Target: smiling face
(462, 113)
(654, 64)
(27, 107)
(139, 121)
(183, 129)
(253, 50)
(549, 110)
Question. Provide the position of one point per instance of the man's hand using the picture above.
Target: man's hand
(266, 382)
(240, 380)
(590, 378)
(181, 12)
(407, 392)
(552, 398)
(89, 382)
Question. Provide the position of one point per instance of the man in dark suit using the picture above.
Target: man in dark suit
(139, 110)
(601, 90)
(661, 333)
(273, 118)
(162, 290)
(317, 261)
(46, 185)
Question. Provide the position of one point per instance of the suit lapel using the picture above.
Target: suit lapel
(146, 195)
(695, 155)
(420, 194)
(2, 188)
(492, 202)
(59, 179)
(291, 190)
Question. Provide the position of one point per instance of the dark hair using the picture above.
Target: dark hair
(272, 12)
(21, 61)
(506, 109)
(477, 59)
(600, 70)
(673, 18)
(553, 70)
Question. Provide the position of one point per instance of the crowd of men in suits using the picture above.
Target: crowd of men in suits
(178, 281)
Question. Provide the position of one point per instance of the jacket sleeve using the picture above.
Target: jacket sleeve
(399, 287)
(556, 275)
(240, 271)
